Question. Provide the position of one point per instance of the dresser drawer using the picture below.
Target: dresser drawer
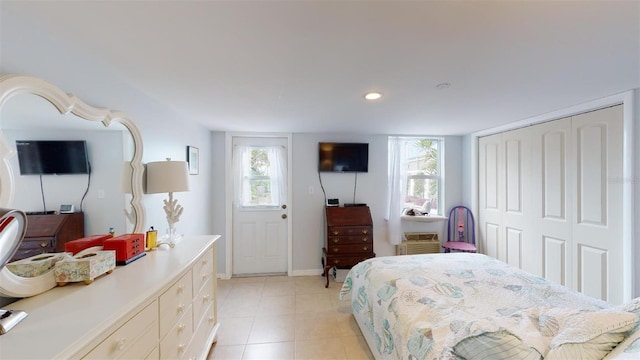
(135, 339)
(343, 240)
(202, 270)
(202, 301)
(350, 249)
(175, 302)
(346, 261)
(199, 343)
(154, 354)
(34, 246)
(349, 230)
(174, 345)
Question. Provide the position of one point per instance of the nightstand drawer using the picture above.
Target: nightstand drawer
(175, 302)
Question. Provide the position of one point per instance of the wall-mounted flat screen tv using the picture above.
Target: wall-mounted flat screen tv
(343, 157)
(48, 157)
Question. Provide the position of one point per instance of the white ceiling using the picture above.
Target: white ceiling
(303, 66)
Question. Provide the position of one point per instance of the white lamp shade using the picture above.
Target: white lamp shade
(167, 176)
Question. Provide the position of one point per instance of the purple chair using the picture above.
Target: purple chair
(461, 234)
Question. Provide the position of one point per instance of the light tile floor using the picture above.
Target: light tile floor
(280, 317)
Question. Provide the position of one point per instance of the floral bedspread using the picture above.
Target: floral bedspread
(420, 306)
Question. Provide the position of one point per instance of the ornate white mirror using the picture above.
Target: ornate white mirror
(34, 109)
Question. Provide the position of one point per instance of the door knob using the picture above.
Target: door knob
(284, 216)
(284, 206)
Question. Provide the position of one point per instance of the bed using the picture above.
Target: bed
(471, 306)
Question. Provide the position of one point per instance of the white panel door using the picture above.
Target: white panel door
(551, 205)
(516, 145)
(260, 212)
(491, 173)
(597, 226)
(550, 201)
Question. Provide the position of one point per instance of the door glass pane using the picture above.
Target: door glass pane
(260, 192)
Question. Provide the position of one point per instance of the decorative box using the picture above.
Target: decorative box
(75, 246)
(36, 265)
(128, 247)
(84, 267)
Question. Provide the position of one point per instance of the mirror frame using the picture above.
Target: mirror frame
(15, 84)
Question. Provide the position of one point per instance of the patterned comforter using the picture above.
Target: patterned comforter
(422, 306)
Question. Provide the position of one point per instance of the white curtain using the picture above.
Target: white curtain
(278, 174)
(242, 171)
(397, 182)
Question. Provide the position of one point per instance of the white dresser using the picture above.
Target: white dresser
(161, 306)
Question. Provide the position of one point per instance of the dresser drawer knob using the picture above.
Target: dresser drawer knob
(365, 239)
(211, 319)
(206, 298)
(336, 232)
(180, 289)
(120, 344)
(181, 348)
(336, 240)
(43, 244)
(204, 262)
(181, 327)
(181, 308)
(365, 248)
(335, 250)
(335, 261)
(365, 231)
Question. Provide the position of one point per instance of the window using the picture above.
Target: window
(260, 172)
(420, 163)
(258, 179)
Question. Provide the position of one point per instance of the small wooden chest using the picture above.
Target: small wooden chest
(128, 247)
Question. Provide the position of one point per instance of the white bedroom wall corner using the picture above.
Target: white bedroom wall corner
(634, 109)
(218, 215)
(453, 173)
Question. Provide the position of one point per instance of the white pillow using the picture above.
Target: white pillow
(590, 334)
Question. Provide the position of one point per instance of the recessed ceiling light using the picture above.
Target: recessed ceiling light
(373, 95)
(444, 85)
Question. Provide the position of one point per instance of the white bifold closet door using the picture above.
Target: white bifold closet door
(549, 202)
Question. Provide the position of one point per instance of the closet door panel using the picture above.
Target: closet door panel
(593, 271)
(514, 246)
(517, 198)
(550, 194)
(597, 228)
(490, 194)
(555, 260)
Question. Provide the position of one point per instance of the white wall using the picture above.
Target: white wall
(308, 221)
(164, 132)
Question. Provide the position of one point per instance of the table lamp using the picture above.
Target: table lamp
(168, 177)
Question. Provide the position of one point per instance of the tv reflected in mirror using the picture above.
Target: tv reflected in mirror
(49, 157)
